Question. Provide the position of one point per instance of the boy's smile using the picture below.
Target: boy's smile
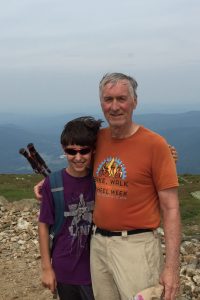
(79, 158)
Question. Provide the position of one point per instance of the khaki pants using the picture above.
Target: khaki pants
(123, 266)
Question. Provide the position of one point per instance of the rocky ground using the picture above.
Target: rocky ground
(20, 259)
(19, 254)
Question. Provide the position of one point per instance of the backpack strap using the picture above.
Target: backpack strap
(57, 190)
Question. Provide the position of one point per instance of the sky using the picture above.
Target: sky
(53, 53)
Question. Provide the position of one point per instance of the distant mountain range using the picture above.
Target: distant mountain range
(16, 131)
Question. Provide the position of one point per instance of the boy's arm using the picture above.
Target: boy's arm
(48, 275)
(174, 153)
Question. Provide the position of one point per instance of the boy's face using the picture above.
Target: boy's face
(79, 159)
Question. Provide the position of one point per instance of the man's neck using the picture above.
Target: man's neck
(120, 132)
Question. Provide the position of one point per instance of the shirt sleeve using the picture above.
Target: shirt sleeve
(47, 211)
(163, 166)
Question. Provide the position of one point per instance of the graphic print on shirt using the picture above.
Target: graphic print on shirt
(111, 178)
(80, 215)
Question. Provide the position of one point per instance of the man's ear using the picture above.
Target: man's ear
(134, 103)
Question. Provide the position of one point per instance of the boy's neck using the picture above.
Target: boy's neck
(77, 174)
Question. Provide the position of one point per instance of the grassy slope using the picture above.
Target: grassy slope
(16, 187)
(190, 206)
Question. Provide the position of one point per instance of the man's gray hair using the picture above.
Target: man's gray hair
(114, 78)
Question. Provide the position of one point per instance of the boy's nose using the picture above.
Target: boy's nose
(78, 156)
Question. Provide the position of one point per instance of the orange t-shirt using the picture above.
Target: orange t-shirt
(129, 173)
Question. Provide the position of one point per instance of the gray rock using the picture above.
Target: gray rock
(19, 239)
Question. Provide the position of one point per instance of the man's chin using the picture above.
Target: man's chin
(116, 122)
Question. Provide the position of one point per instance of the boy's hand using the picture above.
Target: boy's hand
(37, 190)
(174, 153)
(49, 280)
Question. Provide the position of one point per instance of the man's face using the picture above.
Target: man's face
(118, 104)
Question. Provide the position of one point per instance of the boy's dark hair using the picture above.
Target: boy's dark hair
(81, 131)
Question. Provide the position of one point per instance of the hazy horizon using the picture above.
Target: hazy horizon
(91, 112)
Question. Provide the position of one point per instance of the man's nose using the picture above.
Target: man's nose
(114, 105)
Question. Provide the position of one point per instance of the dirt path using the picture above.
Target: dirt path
(20, 280)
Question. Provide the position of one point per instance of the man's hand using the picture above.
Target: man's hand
(174, 153)
(169, 278)
(37, 190)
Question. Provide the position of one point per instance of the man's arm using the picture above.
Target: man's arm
(169, 205)
(38, 190)
(48, 275)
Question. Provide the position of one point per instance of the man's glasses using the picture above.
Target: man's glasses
(73, 152)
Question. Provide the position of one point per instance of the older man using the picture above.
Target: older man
(136, 183)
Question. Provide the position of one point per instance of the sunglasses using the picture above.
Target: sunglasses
(73, 152)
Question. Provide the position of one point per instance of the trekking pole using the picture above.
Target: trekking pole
(37, 157)
(37, 163)
(32, 162)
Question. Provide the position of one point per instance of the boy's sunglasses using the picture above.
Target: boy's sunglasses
(83, 151)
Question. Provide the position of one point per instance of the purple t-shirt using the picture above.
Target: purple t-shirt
(71, 255)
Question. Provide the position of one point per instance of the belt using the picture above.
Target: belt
(121, 233)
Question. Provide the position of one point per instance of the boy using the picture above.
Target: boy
(67, 269)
